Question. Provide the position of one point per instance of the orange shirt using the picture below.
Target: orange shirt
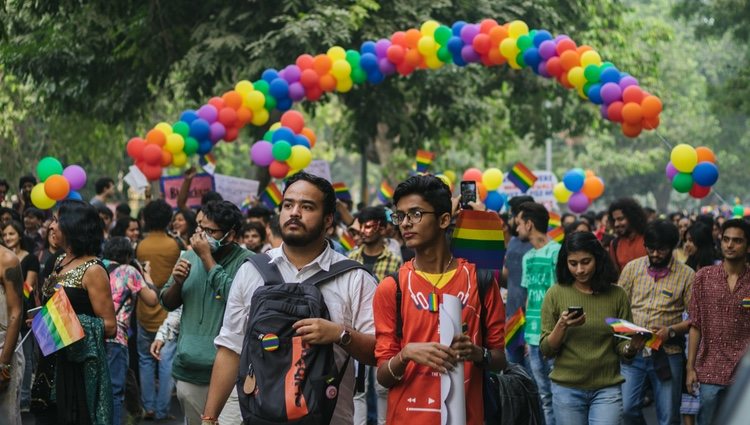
(416, 398)
(628, 249)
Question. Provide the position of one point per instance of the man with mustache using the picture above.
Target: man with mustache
(307, 209)
(629, 221)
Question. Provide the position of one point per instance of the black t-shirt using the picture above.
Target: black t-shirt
(369, 261)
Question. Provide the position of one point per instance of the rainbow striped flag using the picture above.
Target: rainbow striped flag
(424, 159)
(522, 177)
(27, 290)
(347, 241)
(514, 329)
(56, 325)
(622, 326)
(271, 197)
(557, 234)
(554, 220)
(342, 191)
(385, 194)
(479, 238)
(208, 163)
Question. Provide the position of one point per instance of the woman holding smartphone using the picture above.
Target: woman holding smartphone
(586, 378)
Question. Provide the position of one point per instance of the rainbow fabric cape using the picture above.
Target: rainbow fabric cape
(385, 194)
(342, 191)
(522, 177)
(622, 326)
(424, 159)
(271, 197)
(56, 325)
(347, 241)
(514, 329)
(479, 238)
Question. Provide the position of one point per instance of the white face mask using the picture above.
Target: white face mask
(214, 244)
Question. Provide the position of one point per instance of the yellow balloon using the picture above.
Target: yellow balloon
(427, 46)
(514, 63)
(300, 158)
(684, 158)
(260, 117)
(576, 77)
(243, 87)
(179, 159)
(341, 69)
(517, 29)
(561, 193)
(428, 28)
(581, 94)
(492, 178)
(509, 49)
(336, 53)
(451, 175)
(444, 179)
(590, 57)
(40, 199)
(344, 85)
(164, 128)
(254, 100)
(175, 143)
(433, 62)
(275, 126)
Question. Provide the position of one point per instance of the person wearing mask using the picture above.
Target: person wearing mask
(629, 221)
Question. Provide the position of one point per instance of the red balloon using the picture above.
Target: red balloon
(614, 111)
(152, 172)
(217, 103)
(135, 147)
(278, 170)
(293, 120)
(650, 123)
(231, 134)
(632, 94)
(486, 25)
(563, 79)
(496, 58)
(395, 53)
(313, 93)
(228, 117)
(481, 43)
(152, 154)
(554, 67)
(473, 174)
(309, 78)
(631, 130)
(699, 192)
(404, 68)
(304, 61)
(399, 38)
(565, 44)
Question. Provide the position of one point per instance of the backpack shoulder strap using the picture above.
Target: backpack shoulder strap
(268, 270)
(399, 296)
(485, 278)
(336, 269)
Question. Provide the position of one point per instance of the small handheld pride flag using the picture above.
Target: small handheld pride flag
(27, 289)
(271, 197)
(342, 191)
(347, 241)
(479, 238)
(522, 177)
(56, 325)
(514, 329)
(385, 194)
(424, 159)
(624, 327)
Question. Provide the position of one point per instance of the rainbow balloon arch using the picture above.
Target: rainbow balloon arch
(620, 98)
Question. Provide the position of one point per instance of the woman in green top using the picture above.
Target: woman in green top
(586, 377)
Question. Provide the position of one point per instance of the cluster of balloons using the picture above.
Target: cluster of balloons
(55, 183)
(579, 189)
(431, 46)
(692, 170)
(285, 148)
(448, 177)
(488, 185)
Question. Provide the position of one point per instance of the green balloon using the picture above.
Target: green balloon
(352, 56)
(268, 136)
(586, 87)
(682, 182)
(270, 102)
(182, 128)
(359, 75)
(442, 35)
(606, 65)
(592, 73)
(524, 42)
(738, 211)
(48, 166)
(191, 146)
(444, 54)
(519, 60)
(281, 150)
(262, 86)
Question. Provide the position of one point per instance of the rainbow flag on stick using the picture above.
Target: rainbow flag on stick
(271, 197)
(622, 326)
(557, 234)
(385, 194)
(522, 177)
(56, 325)
(347, 241)
(554, 220)
(342, 191)
(479, 238)
(27, 289)
(514, 329)
(208, 163)
(424, 159)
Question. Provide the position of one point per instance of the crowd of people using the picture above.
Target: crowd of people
(264, 315)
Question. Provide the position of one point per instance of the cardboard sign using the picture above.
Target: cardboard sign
(170, 187)
(541, 190)
(236, 189)
(320, 168)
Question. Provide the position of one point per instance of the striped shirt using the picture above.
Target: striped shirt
(661, 302)
(386, 264)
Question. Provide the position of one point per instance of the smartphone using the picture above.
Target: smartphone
(468, 193)
(30, 313)
(575, 312)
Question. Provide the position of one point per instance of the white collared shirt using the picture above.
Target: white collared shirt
(348, 298)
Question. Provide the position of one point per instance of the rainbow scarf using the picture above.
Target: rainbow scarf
(522, 177)
(514, 330)
(56, 325)
(424, 159)
(342, 191)
(479, 238)
(271, 197)
(385, 194)
(622, 326)
(347, 241)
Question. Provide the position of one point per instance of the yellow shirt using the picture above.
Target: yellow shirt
(162, 251)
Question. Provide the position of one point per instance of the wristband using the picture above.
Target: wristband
(396, 377)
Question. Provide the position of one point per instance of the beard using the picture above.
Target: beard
(304, 238)
(659, 264)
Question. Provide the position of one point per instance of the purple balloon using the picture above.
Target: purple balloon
(381, 47)
(671, 171)
(262, 153)
(208, 113)
(386, 67)
(603, 111)
(628, 81)
(468, 54)
(578, 202)
(611, 92)
(292, 73)
(547, 49)
(561, 37)
(217, 132)
(76, 176)
(542, 70)
(468, 32)
(296, 91)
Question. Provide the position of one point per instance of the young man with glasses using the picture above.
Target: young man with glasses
(720, 321)
(410, 359)
(658, 287)
(200, 283)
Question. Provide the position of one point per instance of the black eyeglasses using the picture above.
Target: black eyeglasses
(414, 217)
(210, 230)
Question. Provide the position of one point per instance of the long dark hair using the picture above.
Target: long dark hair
(24, 242)
(703, 239)
(83, 229)
(605, 274)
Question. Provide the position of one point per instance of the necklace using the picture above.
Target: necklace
(433, 301)
(59, 268)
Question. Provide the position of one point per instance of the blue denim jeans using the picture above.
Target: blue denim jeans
(155, 399)
(667, 394)
(540, 369)
(117, 357)
(711, 397)
(580, 407)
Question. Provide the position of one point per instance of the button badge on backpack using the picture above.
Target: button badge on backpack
(269, 342)
(331, 392)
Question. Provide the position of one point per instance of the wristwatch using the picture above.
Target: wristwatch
(672, 332)
(345, 338)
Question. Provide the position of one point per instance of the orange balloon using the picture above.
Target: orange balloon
(327, 82)
(650, 123)
(413, 58)
(166, 158)
(632, 113)
(631, 130)
(570, 59)
(244, 116)
(583, 49)
(705, 154)
(481, 191)
(310, 136)
(232, 99)
(590, 173)
(322, 64)
(497, 35)
(593, 187)
(56, 187)
(156, 137)
(651, 106)
(412, 38)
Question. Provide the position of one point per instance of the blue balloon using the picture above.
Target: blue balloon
(74, 196)
(532, 58)
(269, 75)
(541, 36)
(279, 88)
(494, 201)
(610, 75)
(200, 129)
(458, 60)
(456, 28)
(188, 116)
(284, 104)
(368, 62)
(705, 174)
(573, 179)
(301, 140)
(367, 47)
(455, 44)
(594, 93)
(375, 77)
(204, 147)
(283, 133)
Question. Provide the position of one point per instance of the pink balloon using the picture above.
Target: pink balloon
(473, 174)
(671, 171)
(76, 176)
(578, 202)
(262, 153)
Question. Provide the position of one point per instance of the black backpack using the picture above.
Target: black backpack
(282, 380)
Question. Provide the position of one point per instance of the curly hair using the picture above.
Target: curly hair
(225, 214)
(633, 211)
(605, 274)
(79, 222)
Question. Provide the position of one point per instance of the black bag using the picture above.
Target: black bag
(282, 380)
